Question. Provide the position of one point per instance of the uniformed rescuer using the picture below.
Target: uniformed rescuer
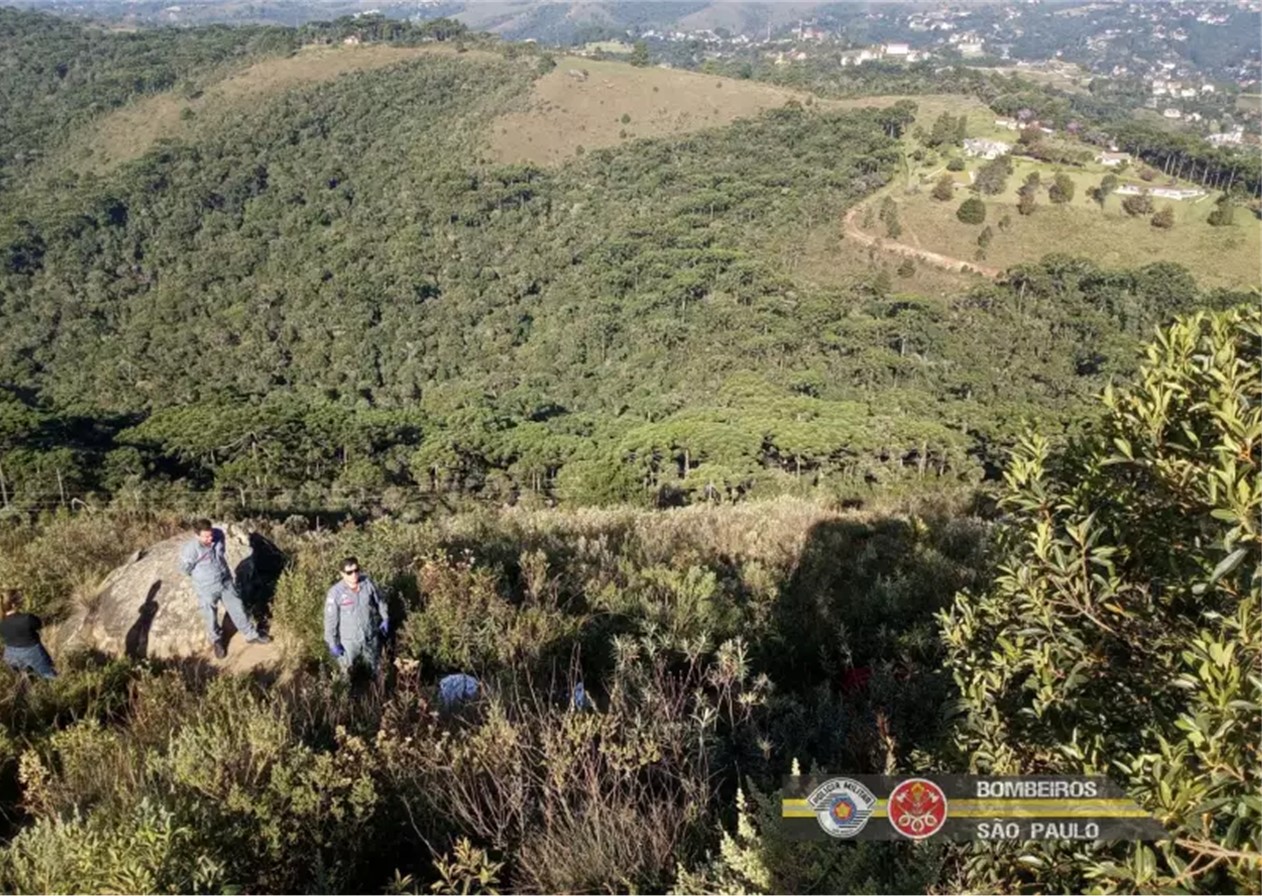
(204, 559)
(356, 618)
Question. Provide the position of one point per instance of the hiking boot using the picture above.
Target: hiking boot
(260, 639)
(220, 650)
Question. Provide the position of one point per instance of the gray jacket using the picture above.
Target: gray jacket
(354, 617)
(206, 566)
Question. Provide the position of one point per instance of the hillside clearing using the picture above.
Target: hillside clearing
(567, 110)
(1218, 256)
(129, 132)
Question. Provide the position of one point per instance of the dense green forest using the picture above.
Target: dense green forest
(1010, 528)
(332, 298)
(721, 648)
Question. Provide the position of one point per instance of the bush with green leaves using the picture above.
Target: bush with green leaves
(1124, 634)
(971, 211)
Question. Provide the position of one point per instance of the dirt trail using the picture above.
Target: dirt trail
(942, 261)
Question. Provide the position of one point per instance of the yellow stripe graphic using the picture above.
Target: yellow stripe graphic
(1005, 804)
(975, 808)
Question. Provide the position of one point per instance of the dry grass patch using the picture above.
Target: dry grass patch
(822, 258)
(565, 110)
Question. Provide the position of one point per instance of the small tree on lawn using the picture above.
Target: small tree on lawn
(1107, 185)
(1062, 189)
(972, 211)
(1164, 219)
(1026, 200)
(1139, 204)
(1223, 213)
(944, 189)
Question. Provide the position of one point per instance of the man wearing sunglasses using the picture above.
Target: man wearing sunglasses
(355, 618)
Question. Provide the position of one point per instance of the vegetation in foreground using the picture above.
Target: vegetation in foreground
(721, 647)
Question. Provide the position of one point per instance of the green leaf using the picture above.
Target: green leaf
(1228, 563)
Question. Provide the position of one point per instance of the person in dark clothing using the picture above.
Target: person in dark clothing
(20, 633)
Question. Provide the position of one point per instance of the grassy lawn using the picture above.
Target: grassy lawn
(1217, 256)
(1228, 256)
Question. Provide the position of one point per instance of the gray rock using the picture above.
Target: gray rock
(147, 607)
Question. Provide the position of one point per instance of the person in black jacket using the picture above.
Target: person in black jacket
(20, 633)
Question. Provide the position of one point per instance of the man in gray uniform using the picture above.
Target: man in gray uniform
(204, 559)
(355, 618)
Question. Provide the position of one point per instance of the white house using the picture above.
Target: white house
(971, 48)
(1207, 88)
(897, 49)
(1172, 113)
(1008, 124)
(979, 147)
(1113, 159)
(1176, 193)
(1227, 138)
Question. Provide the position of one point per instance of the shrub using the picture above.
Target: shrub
(1224, 212)
(992, 178)
(1026, 203)
(955, 164)
(1062, 189)
(1139, 204)
(971, 211)
(1117, 639)
(1164, 219)
(944, 189)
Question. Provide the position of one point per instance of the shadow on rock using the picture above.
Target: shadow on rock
(136, 642)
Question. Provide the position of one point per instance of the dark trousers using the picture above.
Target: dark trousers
(35, 658)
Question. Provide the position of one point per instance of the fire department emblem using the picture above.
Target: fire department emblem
(917, 808)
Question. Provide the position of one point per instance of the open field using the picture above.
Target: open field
(564, 112)
(129, 132)
(1217, 256)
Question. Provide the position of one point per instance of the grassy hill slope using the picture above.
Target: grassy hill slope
(132, 130)
(587, 104)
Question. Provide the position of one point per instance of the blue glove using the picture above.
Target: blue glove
(385, 629)
(338, 651)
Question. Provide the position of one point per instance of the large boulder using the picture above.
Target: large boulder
(147, 607)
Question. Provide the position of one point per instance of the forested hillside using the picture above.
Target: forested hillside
(333, 293)
(975, 526)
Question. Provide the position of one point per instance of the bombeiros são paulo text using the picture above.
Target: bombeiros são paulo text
(1037, 790)
(1027, 829)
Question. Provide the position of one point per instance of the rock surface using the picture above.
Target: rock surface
(147, 608)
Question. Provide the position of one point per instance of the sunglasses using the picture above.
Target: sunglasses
(349, 572)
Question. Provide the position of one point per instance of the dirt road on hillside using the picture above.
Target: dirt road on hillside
(853, 232)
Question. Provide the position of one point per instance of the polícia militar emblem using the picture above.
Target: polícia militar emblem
(842, 806)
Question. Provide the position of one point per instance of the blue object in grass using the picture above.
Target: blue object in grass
(457, 687)
(579, 698)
